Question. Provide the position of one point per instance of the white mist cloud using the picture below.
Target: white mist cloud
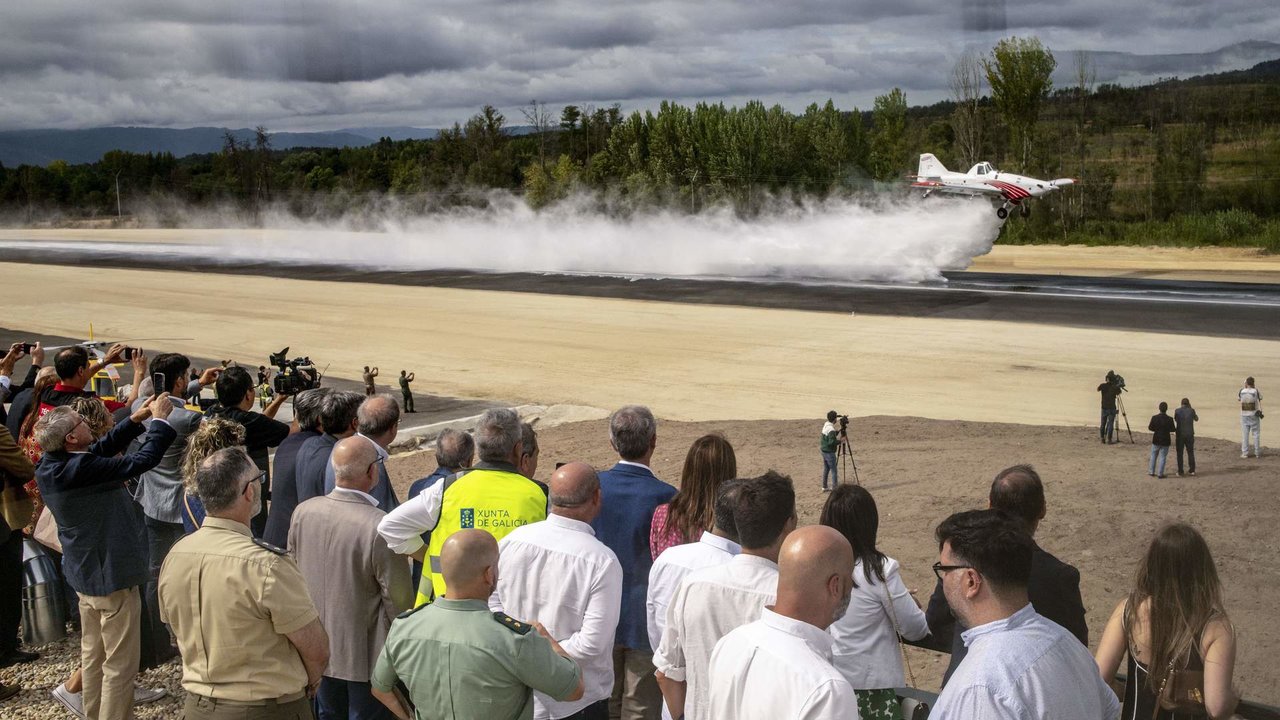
(833, 241)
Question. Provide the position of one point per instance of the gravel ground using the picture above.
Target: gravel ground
(57, 661)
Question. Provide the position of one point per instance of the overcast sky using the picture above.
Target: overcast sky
(326, 64)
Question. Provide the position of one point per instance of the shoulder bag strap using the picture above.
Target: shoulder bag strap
(897, 632)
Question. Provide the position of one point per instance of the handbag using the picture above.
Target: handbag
(46, 532)
(912, 709)
(1182, 692)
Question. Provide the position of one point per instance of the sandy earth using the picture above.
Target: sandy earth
(689, 362)
(1103, 508)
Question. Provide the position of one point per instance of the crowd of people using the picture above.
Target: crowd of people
(488, 594)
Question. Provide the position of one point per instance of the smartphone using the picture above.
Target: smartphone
(27, 347)
(128, 354)
(158, 384)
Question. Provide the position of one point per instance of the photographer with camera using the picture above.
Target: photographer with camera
(1110, 389)
(236, 394)
(17, 351)
(830, 443)
(1250, 419)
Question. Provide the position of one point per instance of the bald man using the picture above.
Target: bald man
(780, 665)
(575, 592)
(461, 661)
(357, 583)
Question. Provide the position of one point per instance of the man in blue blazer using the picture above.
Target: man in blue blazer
(630, 492)
(104, 540)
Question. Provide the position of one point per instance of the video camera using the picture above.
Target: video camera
(844, 424)
(295, 375)
(1116, 380)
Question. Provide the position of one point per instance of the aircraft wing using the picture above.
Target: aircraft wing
(932, 185)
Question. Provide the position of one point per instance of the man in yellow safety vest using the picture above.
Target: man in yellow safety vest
(491, 496)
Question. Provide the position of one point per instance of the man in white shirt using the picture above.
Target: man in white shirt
(557, 573)
(780, 665)
(1019, 664)
(1250, 419)
(716, 547)
(713, 601)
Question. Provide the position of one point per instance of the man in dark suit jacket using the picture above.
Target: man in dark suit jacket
(1054, 587)
(629, 494)
(284, 496)
(104, 541)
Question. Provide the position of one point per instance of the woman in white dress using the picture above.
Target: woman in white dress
(866, 650)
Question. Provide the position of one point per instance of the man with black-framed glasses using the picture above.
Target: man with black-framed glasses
(1020, 664)
(103, 539)
(251, 640)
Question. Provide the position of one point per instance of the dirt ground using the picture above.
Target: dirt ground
(1103, 509)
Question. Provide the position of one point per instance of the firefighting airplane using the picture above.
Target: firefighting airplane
(984, 180)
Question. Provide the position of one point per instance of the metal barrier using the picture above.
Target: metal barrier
(44, 607)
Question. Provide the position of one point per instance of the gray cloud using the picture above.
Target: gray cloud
(316, 64)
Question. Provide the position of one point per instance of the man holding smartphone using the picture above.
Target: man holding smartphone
(159, 490)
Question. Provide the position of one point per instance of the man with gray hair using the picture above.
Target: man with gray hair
(455, 450)
(576, 592)
(491, 496)
(284, 495)
(338, 420)
(631, 492)
(378, 421)
(251, 640)
(357, 583)
(103, 539)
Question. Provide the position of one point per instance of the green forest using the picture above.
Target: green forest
(1178, 162)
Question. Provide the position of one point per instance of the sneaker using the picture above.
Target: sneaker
(8, 691)
(1193, 473)
(1151, 474)
(73, 702)
(142, 696)
(1160, 477)
(1244, 454)
(1180, 475)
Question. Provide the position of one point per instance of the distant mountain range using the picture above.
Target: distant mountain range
(1130, 68)
(41, 147)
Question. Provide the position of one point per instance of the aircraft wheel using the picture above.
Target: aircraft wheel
(1026, 211)
(1002, 213)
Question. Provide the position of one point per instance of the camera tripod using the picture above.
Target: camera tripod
(1123, 414)
(845, 452)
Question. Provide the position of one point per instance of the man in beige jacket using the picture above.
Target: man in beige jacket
(357, 583)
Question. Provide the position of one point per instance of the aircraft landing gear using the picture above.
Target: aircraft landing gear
(1002, 212)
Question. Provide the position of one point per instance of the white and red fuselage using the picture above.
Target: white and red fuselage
(983, 180)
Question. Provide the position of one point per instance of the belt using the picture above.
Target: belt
(270, 702)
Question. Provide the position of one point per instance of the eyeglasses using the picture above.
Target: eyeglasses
(379, 461)
(259, 477)
(939, 569)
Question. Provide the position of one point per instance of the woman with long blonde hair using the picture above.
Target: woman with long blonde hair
(213, 435)
(1172, 621)
(709, 463)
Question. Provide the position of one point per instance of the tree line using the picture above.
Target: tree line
(1179, 161)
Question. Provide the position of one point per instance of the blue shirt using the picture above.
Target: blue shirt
(629, 494)
(1025, 666)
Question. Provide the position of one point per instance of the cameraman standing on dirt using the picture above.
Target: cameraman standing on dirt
(1110, 389)
(1250, 419)
(830, 442)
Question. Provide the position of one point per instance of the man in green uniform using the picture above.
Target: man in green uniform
(252, 644)
(462, 662)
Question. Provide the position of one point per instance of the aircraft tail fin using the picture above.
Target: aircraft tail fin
(929, 166)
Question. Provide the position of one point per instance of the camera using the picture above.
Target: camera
(295, 375)
(844, 424)
(1116, 380)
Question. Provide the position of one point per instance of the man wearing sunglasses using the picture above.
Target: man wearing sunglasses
(103, 539)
